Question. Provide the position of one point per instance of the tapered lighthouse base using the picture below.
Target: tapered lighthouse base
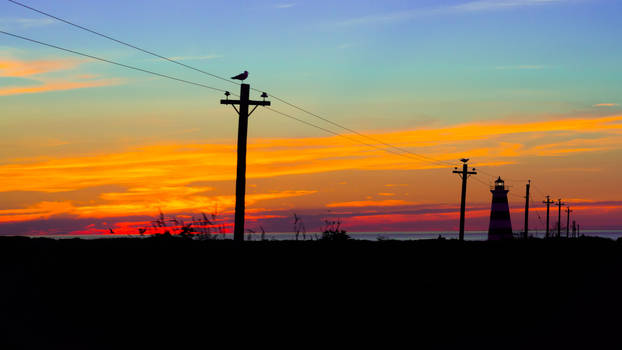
(500, 227)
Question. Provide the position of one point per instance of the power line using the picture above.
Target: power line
(122, 42)
(203, 86)
(504, 179)
(402, 152)
(539, 191)
(406, 154)
(400, 149)
(487, 185)
(112, 62)
(338, 134)
(426, 158)
(423, 157)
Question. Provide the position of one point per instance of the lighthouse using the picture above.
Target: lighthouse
(500, 223)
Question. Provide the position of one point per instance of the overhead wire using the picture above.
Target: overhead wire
(121, 42)
(404, 152)
(423, 157)
(538, 190)
(112, 62)
(504, 178)
(203, 86)
(332, 132)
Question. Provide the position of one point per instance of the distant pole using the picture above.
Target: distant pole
(240, 180)
(548, 203)
(578, 231)
(574, 229)
(568, 211)
(526, 233)
(464, 174)
(559, 217)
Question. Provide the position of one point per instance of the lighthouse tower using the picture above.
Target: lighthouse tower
(500, 223)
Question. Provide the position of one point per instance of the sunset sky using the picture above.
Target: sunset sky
(527, 89)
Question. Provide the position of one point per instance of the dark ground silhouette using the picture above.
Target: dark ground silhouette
(81, 294)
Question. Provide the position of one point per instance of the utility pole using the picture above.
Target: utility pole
(240, 180)
(574, 229)
(568, 211)
(548, 203)
(526, 233)
(464, 174)
(559, 216)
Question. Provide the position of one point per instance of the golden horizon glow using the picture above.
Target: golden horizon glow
(165, 177)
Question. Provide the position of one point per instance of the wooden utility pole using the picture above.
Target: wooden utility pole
(526, 233)
(568, 211)
(240, 180)
(464, 174)
(559, 216)
(548, 203)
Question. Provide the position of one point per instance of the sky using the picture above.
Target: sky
(527, 89)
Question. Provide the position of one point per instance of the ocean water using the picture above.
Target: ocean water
(371, 236)
(403, 236)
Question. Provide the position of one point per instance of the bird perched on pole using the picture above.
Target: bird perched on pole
(241, 76)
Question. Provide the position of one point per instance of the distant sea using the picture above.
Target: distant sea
(371, 236)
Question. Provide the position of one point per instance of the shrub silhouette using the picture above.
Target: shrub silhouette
(332, 231)
(299, 227)
(202, 227)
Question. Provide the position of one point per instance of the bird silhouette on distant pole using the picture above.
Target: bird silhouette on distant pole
(241, 76)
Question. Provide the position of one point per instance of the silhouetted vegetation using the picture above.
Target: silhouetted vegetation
(299, 227)
(332, 231)
(201, 227)
(260, 231)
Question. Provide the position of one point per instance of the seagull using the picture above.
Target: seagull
(242, 76)
(464, 160)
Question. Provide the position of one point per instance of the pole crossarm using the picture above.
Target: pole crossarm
(250, 102)
(233, 103)
(463, 173)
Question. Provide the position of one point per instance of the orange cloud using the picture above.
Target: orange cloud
(20, 69)
(165, 176)
(42, 210)
(179, 165)
(57, 86)
(36, 70)
(491, 130)
(142, 202)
